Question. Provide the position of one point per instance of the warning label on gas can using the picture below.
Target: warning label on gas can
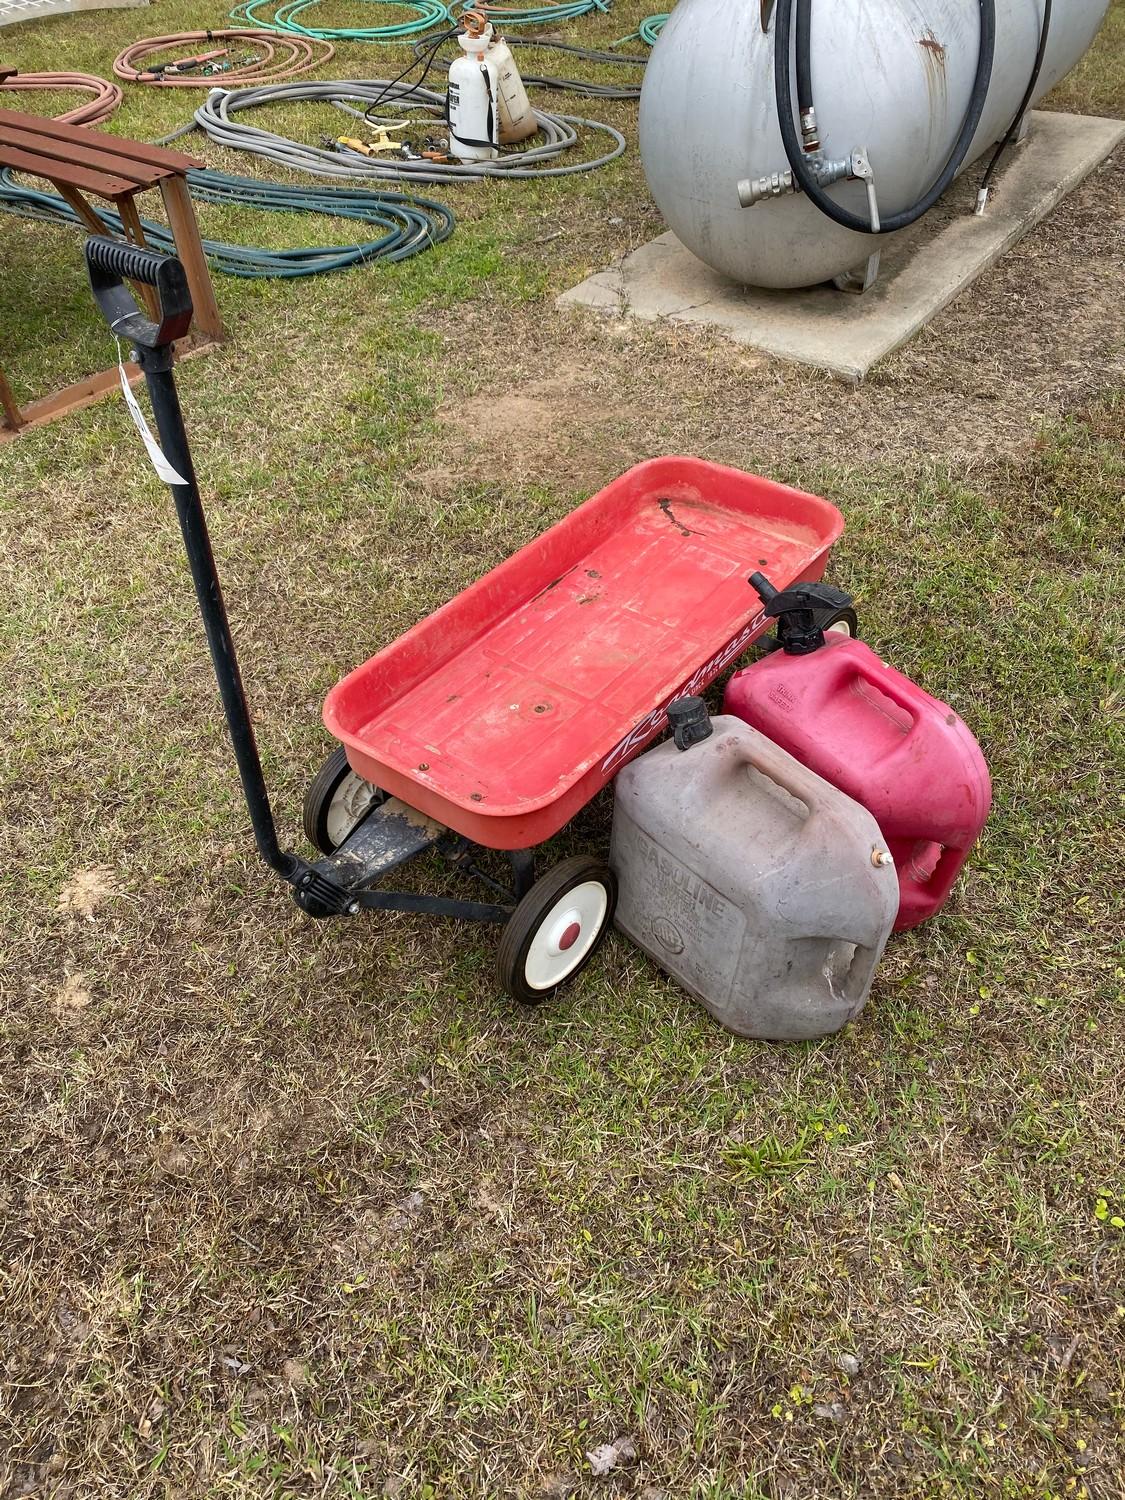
(691, 929)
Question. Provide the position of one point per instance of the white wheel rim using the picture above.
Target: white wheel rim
(351, 799)
(566, 935)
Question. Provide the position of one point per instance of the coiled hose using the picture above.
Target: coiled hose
(279, 57)
(409, 224)
(107, 96)
(803, 174)
(285, 17)
(649, 29)
(560, 133)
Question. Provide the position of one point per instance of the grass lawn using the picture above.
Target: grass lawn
(297, 1209)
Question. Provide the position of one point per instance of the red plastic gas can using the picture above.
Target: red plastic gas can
(867, 729)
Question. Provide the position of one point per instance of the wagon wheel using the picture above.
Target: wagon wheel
(555, 930)
(335, 802)
(844, 622)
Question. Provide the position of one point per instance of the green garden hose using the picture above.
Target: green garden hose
(410, 224)
(649, 29)
(427, 14)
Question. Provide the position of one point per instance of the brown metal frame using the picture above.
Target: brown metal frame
(78, 161)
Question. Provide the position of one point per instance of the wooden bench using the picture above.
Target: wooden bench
(81, 163)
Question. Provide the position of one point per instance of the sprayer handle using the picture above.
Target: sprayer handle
(110, 263)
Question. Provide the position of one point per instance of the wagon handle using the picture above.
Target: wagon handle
(109, 262)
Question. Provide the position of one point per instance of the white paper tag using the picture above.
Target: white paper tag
(152, 447)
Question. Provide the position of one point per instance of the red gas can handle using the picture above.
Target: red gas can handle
(891, 683)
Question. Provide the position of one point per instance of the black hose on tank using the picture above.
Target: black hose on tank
(803, 174)
(804, 78)
(1013, 128)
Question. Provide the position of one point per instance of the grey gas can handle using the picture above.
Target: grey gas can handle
(773, 762)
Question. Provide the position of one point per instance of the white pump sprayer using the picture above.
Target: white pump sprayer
(473, 99)
(488, 104)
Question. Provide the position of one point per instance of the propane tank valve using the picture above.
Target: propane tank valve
(753, 190)
(810, 135)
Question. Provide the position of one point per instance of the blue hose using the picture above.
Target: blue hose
(410, 224)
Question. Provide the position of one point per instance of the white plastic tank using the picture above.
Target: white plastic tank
(517, 118)
(891, 76)
(473, 102)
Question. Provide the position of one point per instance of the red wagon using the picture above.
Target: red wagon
(494, 720)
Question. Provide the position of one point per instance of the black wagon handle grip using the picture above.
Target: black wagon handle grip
(110, 263)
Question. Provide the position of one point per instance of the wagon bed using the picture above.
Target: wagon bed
(506, 710)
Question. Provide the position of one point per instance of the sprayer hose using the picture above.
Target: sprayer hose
(802, 172)
(107, 96)
(559, 134)
(538, 15)
(568, 85)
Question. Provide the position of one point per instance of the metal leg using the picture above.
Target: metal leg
(523, 871)
(862, 279)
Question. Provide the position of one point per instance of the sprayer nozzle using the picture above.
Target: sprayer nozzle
(982, 201)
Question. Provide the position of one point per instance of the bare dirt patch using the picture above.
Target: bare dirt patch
(572, 394)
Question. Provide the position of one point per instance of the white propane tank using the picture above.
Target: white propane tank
(893, 77)
(473, 112)
(517, 118)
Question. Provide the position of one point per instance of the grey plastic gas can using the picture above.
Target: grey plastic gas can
(764, 891)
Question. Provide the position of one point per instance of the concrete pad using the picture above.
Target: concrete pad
(922, 269)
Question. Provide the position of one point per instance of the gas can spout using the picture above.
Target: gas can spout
(803, 612)
(689, 721)
(763, 587)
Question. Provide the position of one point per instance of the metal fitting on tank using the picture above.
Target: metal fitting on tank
(881, 858)
(753, 190)
(810, 136)
(860, 169)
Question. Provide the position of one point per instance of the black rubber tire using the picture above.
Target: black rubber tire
(528, 917)
(846, 617)
(318, 799)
